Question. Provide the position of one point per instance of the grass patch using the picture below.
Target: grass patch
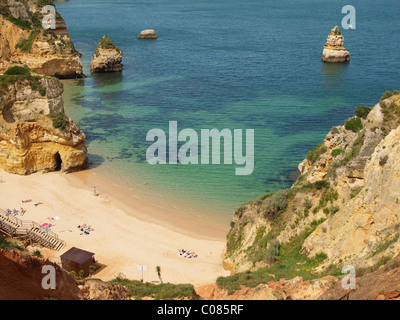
(386, 95)
(106, 43)
(337, 152)
(42, 3)
(163, 291)
(355, 150)
(26, 45)
(60, 120)
(22, 23)
(314, 154)
(289, 264)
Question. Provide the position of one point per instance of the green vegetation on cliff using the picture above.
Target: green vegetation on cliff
(106, 43)
(162, 291)
(19, 73)
(26, 45)
(60, 120)
(267, 239)
(289, 264)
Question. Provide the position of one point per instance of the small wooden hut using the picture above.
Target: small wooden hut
(76, 259)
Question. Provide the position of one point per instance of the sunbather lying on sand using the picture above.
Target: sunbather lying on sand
(187, 254)
(85, 229)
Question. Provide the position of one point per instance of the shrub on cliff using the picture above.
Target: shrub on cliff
(354, 125)
(17, 71)
(276, 204)
(60, 120)
(387, 95)
(362, 111)
(314, 154)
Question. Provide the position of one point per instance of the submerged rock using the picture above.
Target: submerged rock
(147, 34)
(107, 57)
(334, 50)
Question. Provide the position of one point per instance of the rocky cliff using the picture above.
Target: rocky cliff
(21, 279)
(107, 58)
(35, 134)
(333, 49)
(343, 210)
(22, 39)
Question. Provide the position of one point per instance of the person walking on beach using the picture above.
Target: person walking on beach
(94, 191)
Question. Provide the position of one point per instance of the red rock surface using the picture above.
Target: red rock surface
(21, 279)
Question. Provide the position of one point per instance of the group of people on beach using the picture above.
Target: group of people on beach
(187, 254)
(15, 212)
(85, 229)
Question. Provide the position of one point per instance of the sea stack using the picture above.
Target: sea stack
(107, 57)
(147, 34)
(334, 50)
(35, 133)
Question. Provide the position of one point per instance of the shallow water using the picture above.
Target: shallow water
(227, 64)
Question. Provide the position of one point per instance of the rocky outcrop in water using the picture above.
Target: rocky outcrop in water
(22, 39)
(35, 134)
(147, 34)
(334, 50)
(107, 58)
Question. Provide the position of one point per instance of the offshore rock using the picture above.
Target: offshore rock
(334, 50)
(107, 57)
(148, 34)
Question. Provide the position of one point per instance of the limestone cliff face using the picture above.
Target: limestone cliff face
(342, 210)
(31, 107)
(334, 50)
(366, 229)
(22, 39)
(107, 58)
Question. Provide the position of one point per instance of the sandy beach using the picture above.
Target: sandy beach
(128, 231)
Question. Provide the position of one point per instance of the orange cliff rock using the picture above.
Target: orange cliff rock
(22, 39)
(35, 134)
(334, 50)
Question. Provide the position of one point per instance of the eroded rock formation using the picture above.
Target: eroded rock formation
(333, 49)
(22, 39)
(147, 34)
(107, 58)
(35, 134)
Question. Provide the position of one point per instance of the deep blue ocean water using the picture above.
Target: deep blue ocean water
(235, 64)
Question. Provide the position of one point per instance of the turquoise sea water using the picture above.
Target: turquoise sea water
(224, 64)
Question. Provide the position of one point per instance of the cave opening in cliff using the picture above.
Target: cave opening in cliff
(58, 161)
